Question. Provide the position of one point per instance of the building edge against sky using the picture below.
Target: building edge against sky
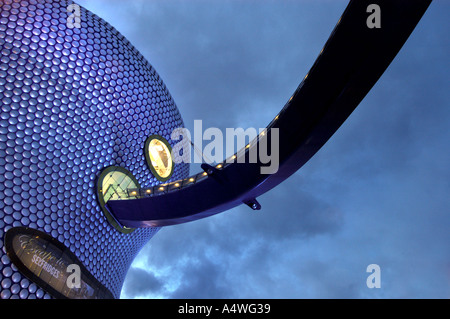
(76, 102)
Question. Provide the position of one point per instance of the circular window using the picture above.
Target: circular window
(159, 158)
(116, 183)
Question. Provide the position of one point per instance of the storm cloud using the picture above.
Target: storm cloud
(377, 192)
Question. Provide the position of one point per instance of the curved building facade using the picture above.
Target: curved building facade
(77, 103)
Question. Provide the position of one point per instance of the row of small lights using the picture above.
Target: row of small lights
(189, 181)
(164, 187)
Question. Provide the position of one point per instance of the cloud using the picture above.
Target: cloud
(202, 259)
(203, 278)
(142, 283)
(377, 192)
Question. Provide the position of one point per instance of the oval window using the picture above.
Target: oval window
(116, 183)
(159, 158)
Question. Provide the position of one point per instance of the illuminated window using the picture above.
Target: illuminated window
(114, 183)
(50, 264)
(159, 158)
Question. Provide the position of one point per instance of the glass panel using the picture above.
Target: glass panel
(160, 157)
(116, 183)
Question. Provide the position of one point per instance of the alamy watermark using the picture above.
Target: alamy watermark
(374, 279)
(256, 146)
(374, 19)
(74, 18)
(74, 279)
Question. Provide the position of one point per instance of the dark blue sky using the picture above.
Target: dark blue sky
(376, 193)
